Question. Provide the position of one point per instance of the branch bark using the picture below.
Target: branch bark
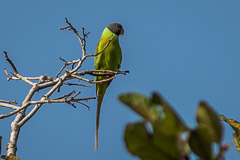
(54, 84)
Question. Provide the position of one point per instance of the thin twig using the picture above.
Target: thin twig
(66, 64)
(92, 81)
(100, 72)
(10, 62)
(75, 84)
(10, 102)
(65, 96)
(84, 105)
(76, 95)
(76, 33)
(95, 54)
(63, 28)
(60, 71)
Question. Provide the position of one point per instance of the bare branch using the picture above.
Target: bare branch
(71, 104)
(9, 77)
(47, 95)
(92, 81)
(66, 64)
(61, 100)
(14, 112)
(75, 84)
(69, 62)
(100, 72)
(8, 106)
(81, 40)
(16, 74)
(84, 105)
(26, 78)
(95, 54)
(63, 28)
(60, 71)
(19, 77)
(10, 62)
(5, 101)
(54, 85)
(76, 95)
(65, 96)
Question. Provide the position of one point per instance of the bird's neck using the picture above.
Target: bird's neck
(107, 34)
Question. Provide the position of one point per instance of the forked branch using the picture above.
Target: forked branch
(69, 71)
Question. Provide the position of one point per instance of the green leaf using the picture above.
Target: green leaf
(140, 143)
(233, 123)
(209, 130)
(209, 121)
(236, 127)
(141, 105)
(172, 123)
(200, 144)
(11, 157)
(170, 144)
(236, 139)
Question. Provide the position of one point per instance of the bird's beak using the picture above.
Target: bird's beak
(122, 31)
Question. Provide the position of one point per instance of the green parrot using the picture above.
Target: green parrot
(109, 59)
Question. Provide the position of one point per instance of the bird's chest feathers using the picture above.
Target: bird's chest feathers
(112, 55)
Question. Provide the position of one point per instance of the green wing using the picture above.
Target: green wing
(109, 59)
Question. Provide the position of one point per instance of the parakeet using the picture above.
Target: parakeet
(109, 59)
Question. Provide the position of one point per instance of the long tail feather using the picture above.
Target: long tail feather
(99, 103)
(101, 89)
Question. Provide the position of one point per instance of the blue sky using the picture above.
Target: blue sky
(186, 50)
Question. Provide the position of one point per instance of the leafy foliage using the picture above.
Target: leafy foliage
(160, 134)
(11, 157)
(236, 127)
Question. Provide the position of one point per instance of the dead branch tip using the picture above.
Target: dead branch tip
(10, 62)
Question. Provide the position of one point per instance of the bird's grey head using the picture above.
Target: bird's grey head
(116, 28)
